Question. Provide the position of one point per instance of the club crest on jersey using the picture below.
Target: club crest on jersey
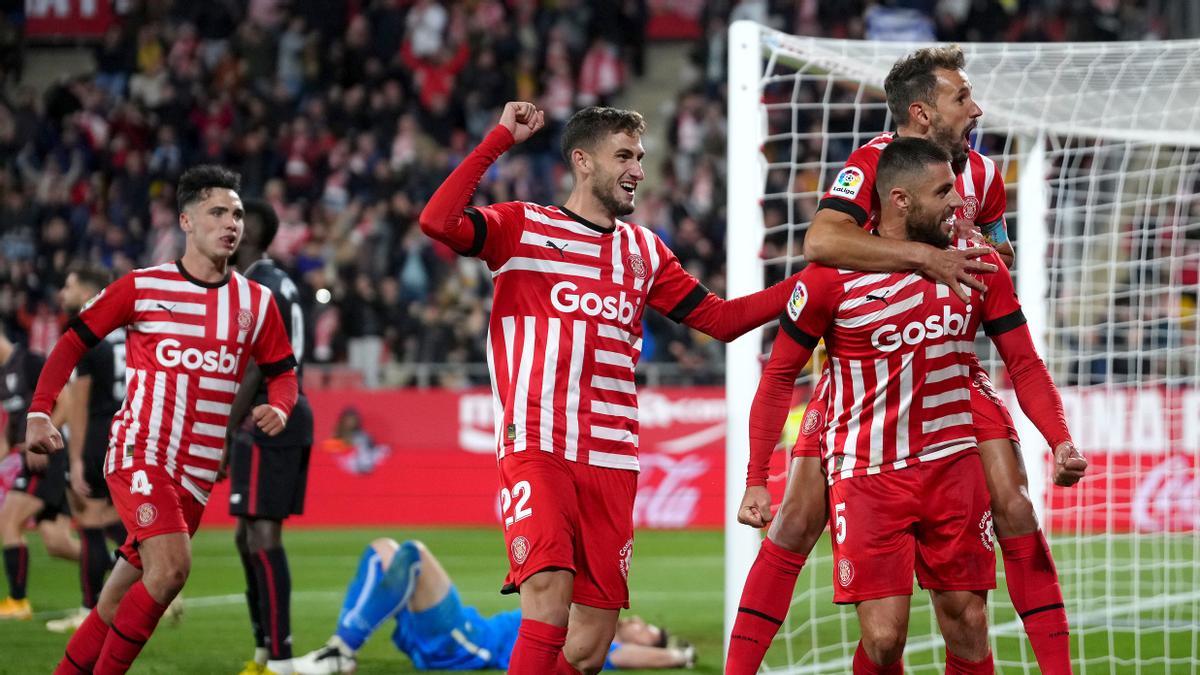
(520, 550)
(626, 557)
(245, 319)
(812, 422)
(636, 264)
(91, 301)
(848, 182)
(986, 531)
(970, 208)
(845, 572)
(146, 515)
(798, 300)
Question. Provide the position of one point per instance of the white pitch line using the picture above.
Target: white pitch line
(1012, 628)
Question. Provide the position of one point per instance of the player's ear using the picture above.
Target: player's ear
(900, 198)
(918, 111)
(185, 222)
(581, 161)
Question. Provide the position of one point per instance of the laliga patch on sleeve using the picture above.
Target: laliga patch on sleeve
(798, 300)
(848, 182)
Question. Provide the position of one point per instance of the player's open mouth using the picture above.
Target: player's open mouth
(628, 186)
(967, 134)
(229, 240)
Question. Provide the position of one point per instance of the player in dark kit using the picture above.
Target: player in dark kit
(92, 398)
(39, 492)
(268, 473)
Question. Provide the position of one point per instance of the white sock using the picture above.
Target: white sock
(261, 655)
(281, 667)
(336, 641)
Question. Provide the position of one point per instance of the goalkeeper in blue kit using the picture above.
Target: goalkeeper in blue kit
(437, 631)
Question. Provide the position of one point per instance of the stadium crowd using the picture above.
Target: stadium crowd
(346, 123)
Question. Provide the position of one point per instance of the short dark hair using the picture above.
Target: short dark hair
(268, 221)
(195, 183)
(912, 78)
(591, 125)
(903, 158)
(91, 274)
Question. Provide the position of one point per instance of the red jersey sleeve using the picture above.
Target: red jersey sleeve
(1001, 308)
(497, 231)
(674, 291)
(271, 350)
(108, 311)
(853, 189)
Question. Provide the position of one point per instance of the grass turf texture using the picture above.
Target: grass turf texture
(676, 581)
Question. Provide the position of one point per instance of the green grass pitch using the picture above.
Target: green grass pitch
(676, 581)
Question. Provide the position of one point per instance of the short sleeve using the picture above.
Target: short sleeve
(1001, 308)
(110, 309)
(497, 231)
(810, 308)
(272, 351)
(675, 292)
(853, 189)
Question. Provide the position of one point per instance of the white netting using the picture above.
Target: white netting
(1110, 286)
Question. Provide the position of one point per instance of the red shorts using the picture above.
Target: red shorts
(933, 518)
(992, 420)
(808, 441)
(561, 515)
(168, 508)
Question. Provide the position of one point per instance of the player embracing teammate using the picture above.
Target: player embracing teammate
(191, 327)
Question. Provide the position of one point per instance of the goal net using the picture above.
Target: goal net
(1099, 147)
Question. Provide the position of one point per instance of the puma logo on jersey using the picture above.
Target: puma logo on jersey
(881, 298)
(169, 310)
(561, 250)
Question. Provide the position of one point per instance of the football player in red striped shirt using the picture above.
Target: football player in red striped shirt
(907, 488)
(572, 283)
(930, 97)
(191, 325)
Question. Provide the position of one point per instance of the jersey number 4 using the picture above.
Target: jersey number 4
(520, 493)
(140, 485)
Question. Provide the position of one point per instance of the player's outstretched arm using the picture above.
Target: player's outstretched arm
(40, 434)
(641, 657)
(442, 218)
(727, 320)
(835, 239)
(768, 413)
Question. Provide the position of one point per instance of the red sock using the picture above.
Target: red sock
(956, 665)
(1037, 597)
(764, 604)
(564, 667)
(84, 648)
(537, 649)
(863, 665)
(136, 617)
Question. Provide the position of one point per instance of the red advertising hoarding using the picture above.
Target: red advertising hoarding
(67, 18)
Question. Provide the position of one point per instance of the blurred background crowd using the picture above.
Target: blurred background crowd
(346, 120)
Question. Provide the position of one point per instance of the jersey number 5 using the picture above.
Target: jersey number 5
(839, 511)
(520, 493)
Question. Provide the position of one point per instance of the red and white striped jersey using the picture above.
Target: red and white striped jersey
(187, 346)
(566, 327)
(900, 349)
(980, 185)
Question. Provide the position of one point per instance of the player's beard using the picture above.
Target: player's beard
(926, 226)
(603, 189)
(946, 138)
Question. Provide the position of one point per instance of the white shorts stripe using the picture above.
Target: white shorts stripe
(611, 460)
(546, 400)
(172, 285)
(167, 328)
(957, 419)
(613, 384)
(610, 434)
(613, 358)
(614, 409)
(520, 264)
(578, 338)
(214, 384)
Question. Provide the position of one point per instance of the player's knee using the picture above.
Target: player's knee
(263, 534)
(884, 644)
(798, 526)
(385, 548)
(1013, 514)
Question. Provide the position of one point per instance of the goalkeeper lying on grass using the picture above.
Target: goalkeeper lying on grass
(434, 629)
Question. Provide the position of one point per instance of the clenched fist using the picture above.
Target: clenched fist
(522, 119)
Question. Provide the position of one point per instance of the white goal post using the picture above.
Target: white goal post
(1099, 146)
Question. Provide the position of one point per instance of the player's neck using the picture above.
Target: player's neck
(587, 207)
(911, 131)
(203, 269)
(892, 229)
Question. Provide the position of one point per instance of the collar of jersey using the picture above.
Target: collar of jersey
(585, 222)
(206, 284)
